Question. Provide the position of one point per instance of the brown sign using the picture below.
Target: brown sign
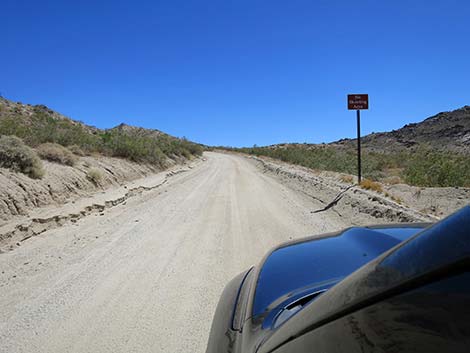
(358, 101)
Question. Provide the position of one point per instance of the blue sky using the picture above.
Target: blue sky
(238, 72)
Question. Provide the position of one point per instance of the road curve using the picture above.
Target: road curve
(146, 276)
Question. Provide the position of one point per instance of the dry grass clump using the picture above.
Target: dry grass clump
(347, 179)
(95, 176)
(371, 185)
(15, 155)
(76, 150)
(56, 153)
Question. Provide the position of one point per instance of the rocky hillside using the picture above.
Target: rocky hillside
(449, 131)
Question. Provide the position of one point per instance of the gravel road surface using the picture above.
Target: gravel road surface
(145, 276)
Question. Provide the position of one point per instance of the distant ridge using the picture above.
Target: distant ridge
(449, 131)
(445, 131)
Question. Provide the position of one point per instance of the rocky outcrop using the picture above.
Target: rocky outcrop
(449, 131)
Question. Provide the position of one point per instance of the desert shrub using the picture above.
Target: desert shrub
(430, 168)
(56, 153)
(43, 126)
(371, 185)
(323, 158)
(137, 149)
(421, 167)
(185, 153)
(15, 155)
(190, 147)
(13, 125)
(77, 150)
(95, 176)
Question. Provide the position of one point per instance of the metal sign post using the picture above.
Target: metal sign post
(358, 102)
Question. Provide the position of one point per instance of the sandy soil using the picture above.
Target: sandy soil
(145, 275)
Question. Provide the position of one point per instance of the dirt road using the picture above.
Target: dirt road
(146, 275)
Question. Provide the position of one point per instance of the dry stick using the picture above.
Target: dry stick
(334, 202)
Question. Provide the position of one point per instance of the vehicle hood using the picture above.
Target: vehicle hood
(299, 269)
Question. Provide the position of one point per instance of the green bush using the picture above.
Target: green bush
(56, 153)
(15, 155)
(322, 158)
(137, 149)
(428, 168)
(42, 127)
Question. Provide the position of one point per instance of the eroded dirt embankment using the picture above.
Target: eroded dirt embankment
(19, 194)
(29, 207)
(352, 203)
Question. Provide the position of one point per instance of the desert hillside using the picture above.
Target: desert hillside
(445, 131)
(432, 153)
(38, 124)
(47, 158)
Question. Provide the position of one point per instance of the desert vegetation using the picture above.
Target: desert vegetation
(95, 175)
(15, 155)
(56, 153)
(422, 166)
(63, 140)
(371, 185)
